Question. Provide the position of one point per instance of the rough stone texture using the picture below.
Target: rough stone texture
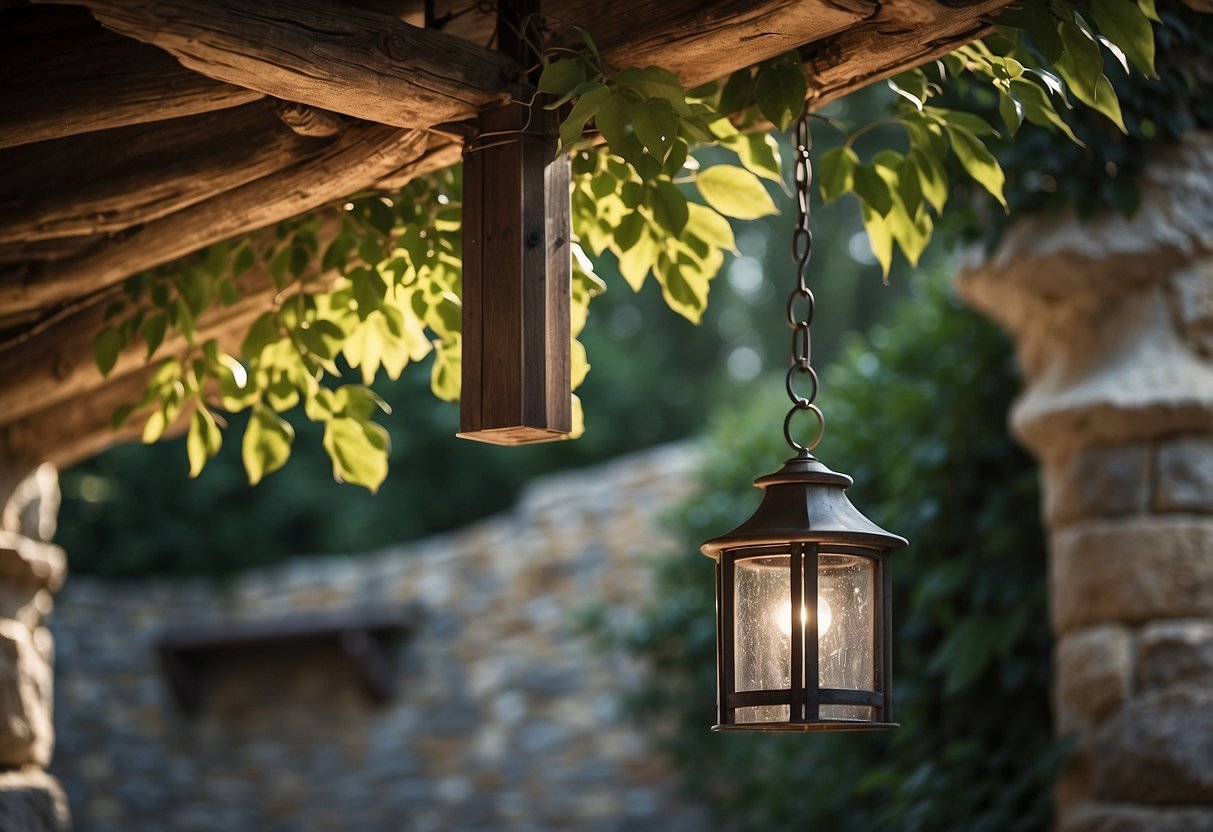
(1110, 817)
(32, 801)
(1094, 675)
(1158, 749)
(1109, 481)
(1175, 652)
(26, 732)
(508, 717)
(1132, 571)
(1184, 475)
(1091, 311)
(32, 507)
(1192, 304)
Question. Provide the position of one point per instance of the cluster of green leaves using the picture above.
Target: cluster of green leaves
(395, 300)
(1102, 170)
(631, 195)
(971, 645)
(1043, 52)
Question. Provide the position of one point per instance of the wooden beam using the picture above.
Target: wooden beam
(347, 60)
(91, 79)
(109, 181)
(904, 34)
(361, 157)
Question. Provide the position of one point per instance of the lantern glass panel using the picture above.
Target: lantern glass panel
(761, 646)
(846, 651)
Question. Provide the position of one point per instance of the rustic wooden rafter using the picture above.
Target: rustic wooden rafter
(111, 180)
(92, 79)
(361, 63)
(360, 158)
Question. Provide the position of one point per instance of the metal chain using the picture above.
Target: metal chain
(802, 250)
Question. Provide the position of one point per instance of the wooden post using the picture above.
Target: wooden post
(516, 269)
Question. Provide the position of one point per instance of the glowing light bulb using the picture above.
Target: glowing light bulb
(825, 617)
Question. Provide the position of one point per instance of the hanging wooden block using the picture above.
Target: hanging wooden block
(516, 279)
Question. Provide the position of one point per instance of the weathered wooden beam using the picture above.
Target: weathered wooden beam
(361, 157)
(904, 34)
(343, 59)
(62, 74)
(109, 181)
(55, 364)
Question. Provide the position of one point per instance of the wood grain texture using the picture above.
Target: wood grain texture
(361, 157)
(516, 283)
(111, 180)
(343, 59)
(92, 79)
(904, 34)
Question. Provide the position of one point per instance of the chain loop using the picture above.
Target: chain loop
(802, 250)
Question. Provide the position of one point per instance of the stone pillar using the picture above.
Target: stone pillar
(31, 570)
(1113, 326)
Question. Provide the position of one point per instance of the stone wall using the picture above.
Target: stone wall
(1113, 323)
(31, 570)
(507, 716)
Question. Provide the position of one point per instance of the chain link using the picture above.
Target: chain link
(802, 296)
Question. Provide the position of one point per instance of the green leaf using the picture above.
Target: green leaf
(738, 91)
(562, 76)
(978, 162)
(106, 347)
(758, 153)
(683, 286)
(1148, 9)
(154, 427)
(359, 451)
(637, 261)
(836, 172)
(880, 240)
(976, 125)
(585, 108)
(909, 186)
(780, 91)
(267, 444)
(203, 440)
(656, 126)
(870, 187)
(932, 179)
(1010, 109)
(612, 120)
(670, 207)
(1126, 25)
(1080, 64)
(261, 334)
(735, 192)
(445, 378)
(153, 332)
(1038, 107)
(707, 225)
(1108, 104)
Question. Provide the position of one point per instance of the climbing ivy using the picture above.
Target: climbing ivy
(642, 194)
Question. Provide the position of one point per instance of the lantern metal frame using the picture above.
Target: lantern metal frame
(804, 514)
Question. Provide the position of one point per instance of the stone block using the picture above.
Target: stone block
(26, 731)
(1158, 749)
(1176, 652)
(1192, 302)
(1094, 674)
(1127, 818)
(1131, 571)
(1184, 475)
(32, 801)
(1108, 481)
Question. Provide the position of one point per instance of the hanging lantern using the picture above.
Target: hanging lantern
(803, 623)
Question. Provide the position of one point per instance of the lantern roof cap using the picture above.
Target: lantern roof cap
(804, 502)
